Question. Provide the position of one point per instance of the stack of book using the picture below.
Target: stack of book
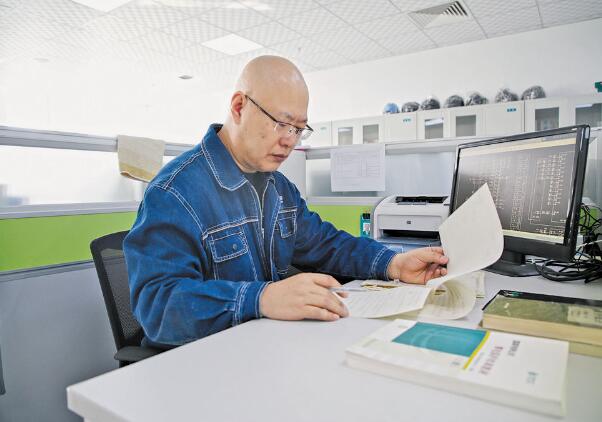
(578, 321)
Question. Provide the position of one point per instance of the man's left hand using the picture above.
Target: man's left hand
(418, 266)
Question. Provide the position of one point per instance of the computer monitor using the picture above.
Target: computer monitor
(536, 180)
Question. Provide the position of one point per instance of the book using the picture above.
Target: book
(511, 369)
(576, 320)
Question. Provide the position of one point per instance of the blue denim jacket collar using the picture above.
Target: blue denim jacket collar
(225, 170)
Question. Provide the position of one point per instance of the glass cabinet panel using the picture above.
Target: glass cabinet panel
(547, 118)
(466, 125)
(433, 128)
(370, 135)
(345, 135)
(589, 114)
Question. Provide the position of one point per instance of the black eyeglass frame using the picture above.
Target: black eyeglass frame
(298, 132)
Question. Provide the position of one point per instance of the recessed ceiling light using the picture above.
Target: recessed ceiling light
(185, 77)
(232, 44)
(41, 59)
(102, 5)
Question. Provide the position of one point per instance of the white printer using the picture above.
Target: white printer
(409, 222)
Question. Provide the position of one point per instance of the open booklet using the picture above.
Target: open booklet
(472, 238)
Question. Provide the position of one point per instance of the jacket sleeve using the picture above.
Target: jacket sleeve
(165, 259)
(321, 246)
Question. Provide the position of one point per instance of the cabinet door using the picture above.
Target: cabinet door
(466, 121)
(433, 124)
(344, 132)
(504, 118)
(400, 127)
(322, 135)
(585, 110)
(546, 114)
(371, 130)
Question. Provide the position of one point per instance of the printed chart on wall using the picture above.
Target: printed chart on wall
(357, 168)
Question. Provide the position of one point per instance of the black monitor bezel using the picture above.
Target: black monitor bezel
(565, 251)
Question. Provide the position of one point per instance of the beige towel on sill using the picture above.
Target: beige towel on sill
(139, 158)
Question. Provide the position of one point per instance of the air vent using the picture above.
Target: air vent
(444, 14)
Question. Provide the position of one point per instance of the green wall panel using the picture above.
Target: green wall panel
(40, 241)
(343, 217)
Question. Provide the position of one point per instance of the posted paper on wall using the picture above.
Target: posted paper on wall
(357, 168)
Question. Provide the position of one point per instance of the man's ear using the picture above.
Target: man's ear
(236, 103)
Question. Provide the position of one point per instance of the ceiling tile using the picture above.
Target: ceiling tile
(162, 42)
(269, 34)
(200, 54)
(280, 8)
(63, 11)
(115, 28)
(413, 5)
(234, 19)
(568, 11)
(326, 59)
(84, 39)
(195, 29)
(480, 8)
(387, 27)
(355, 11)
(456, 33)
(511, 22)
(350, 43)
(409, 42)
(10, 3)
(192, 7)
(29, 25)
(313, 22)
(300, 48)
(145, 12)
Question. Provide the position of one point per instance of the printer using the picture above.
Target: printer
(409, 222)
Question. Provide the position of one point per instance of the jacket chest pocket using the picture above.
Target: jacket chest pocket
(284, 239)
(231, 257)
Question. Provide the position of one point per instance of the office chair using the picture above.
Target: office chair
(107, 252)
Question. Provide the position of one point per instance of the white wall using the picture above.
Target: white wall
(564, 60)
(102, 99)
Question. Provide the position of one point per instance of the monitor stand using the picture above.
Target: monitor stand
(513, 264)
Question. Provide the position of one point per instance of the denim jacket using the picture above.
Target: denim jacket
(205, 244)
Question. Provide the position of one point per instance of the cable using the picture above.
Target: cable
(587, 263)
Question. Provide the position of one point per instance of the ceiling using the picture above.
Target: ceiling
(165, 36)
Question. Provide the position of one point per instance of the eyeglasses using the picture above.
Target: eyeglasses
(285, 129)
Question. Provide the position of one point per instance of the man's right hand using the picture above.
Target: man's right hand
(302, 296)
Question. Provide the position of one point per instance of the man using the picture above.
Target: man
(219, 227)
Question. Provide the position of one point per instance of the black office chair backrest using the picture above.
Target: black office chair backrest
(109, 261)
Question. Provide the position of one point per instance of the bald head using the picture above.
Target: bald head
(267, 111)
(270, 75)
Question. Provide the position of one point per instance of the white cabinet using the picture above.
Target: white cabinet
(504, 118)
(466, 121)
(546, 114)
(586, 110)
(322, 136)
(365, 130)
(433, 124)
(400, 127)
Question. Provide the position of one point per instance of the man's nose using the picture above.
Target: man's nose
(288, 141)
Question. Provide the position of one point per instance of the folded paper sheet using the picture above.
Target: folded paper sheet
(139, 158)
(472, 238)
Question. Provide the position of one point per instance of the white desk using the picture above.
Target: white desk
(267, 370)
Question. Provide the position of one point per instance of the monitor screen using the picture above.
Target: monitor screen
(536, 182)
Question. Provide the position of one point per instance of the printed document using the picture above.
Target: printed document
(472, 238)
(357, 168)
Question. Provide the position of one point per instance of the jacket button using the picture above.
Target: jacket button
(234, 247)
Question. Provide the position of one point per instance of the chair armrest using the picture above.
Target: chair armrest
(135, 353)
